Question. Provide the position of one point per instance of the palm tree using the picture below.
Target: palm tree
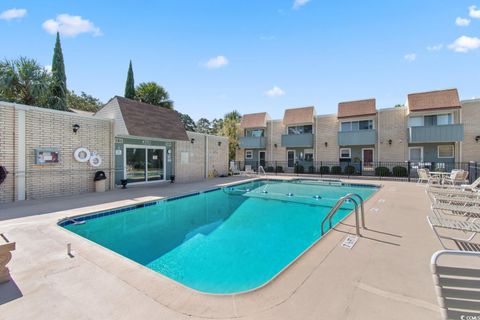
(152, 93)
(24, 81)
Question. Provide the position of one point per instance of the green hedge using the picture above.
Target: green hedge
(299, 169)
(279, 169)
(324, 170)
(349, 170)
(336, 170)
(382, 171)
(400, 171)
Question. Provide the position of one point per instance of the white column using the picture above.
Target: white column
(20, 172)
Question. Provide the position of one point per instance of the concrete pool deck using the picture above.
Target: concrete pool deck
(384, 276)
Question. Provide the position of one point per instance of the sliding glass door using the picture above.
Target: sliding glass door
(144, 163)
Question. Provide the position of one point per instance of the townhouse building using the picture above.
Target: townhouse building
(433, 129)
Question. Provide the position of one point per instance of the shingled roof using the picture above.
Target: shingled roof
(146, 120)
(299, 116)
(357, 108)
(254, 120)
(432, 100)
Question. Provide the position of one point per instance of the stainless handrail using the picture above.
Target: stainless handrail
(337, 206)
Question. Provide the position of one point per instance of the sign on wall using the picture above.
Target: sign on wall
(47, 156)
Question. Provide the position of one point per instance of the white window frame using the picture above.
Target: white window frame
(248, 154)
(349, 153)
(351, 125)
(446, 145)
(409, 153)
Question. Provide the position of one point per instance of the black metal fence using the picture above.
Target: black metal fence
(404, 170)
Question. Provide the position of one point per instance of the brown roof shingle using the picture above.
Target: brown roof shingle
(357, 108)
(254, 120)
(432, 100)
(146, 120)
(299, 115)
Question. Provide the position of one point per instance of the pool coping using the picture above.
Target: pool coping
(119, 209)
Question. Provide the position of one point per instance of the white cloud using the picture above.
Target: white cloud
(298, 3)
(48, 68)
(410, 57)
(217, 62)
(436, 47)
(474, 12)
(274, 92)
(13, 14)
(70, 26)
(462, 22)
(465, 44)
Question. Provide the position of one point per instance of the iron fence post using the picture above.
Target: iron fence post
(409, 167)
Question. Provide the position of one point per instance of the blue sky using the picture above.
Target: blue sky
(255, 55)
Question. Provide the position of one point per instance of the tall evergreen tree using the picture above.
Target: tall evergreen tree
(58, 89)
(130, 85)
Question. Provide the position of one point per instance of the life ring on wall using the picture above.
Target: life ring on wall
(95, 160)
(3, 174)
(82, 155)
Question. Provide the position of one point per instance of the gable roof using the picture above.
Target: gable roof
(254, 120)
(357, 108)
(146, 120)
(299, 115)
(432, 100)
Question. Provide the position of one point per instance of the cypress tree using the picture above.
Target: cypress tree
(58, 90)
(130, 85)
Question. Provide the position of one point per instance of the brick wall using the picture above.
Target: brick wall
(471, 123)
(46, 128)
(326, 128)
(392, 124)
(190, 158)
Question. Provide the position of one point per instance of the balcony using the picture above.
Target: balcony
(357, 138)
(443, 133)
(297, 140)
(252, 142)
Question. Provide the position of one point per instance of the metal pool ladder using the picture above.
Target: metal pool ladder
(358, 202)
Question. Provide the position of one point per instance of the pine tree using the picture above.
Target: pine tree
(58, 89)
(130, 85)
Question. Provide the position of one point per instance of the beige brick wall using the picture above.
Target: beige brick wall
(275, 129)
(190, 158)
(7, 152)
(46, 128)
(392, 124)
(471, 123)
(326, 128)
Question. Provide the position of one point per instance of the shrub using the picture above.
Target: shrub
(324, 170)
(399, 171)
(279, 169)
(299, 169)
(336, 170)
(311, 169)
(382, 171)
(270, 169)
(349, 170)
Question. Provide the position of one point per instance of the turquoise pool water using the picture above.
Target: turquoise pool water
(224, 241)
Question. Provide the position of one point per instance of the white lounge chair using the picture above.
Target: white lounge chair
(463, 244)
(456, 285)
(472, 211)
(234, 168)
(474, 186)
(456, 201)
(451, 192)
(425, 176)
(248, 170)
(457, 177)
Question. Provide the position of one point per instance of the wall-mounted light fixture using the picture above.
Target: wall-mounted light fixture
(75, 128)
(390, 141)
(192, 140)
(219, 143)
(275, 145)
(477, 139)
(326, 144)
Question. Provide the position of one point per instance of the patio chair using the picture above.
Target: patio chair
(443, 208)
(452, 192)
(456, 285)
(463, 244)
(457, 177)
(234, 168)
(457, 201)
(474, 186)
(248, 170)
(425, 176)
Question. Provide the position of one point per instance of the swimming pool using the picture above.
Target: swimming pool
(221, 241)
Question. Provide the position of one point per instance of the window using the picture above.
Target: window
(254, 133)
(357, 125)
(446, 151)
(300, 129)
(415, 154)
(432, 120)
(308, 155)
(248, 154)
(345, 153)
